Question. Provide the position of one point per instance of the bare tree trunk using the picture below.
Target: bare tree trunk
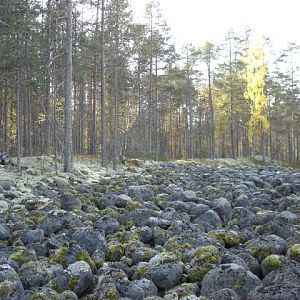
(232, 134)
(103, 96)
(68, 151)
(47, 138)
(18, 120)
(212, 114)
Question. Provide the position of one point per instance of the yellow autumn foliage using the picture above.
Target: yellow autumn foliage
(256, 71)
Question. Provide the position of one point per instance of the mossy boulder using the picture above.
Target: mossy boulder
(23, 255)
(266, 245)
(206, 254)
(294, 252)
(271, 263)
(227, 238)
(115, 251)
(196, 273)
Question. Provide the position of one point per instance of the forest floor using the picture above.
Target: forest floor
(205, 229)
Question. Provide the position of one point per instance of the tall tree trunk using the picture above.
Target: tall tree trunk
(18, 119)
(212, 113)
(232, 133)
(47, 138)
(68, 151)
(103, 96)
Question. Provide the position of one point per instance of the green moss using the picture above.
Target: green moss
(133, 205)
(176, 246)
(20, 256)
(73, 281)
(115, 252)
(205, 254)
(197, 273)
(29, 221)
(260, 253)
(59, 257)
(141, 270)
(6, 288)
(148, 253)
(292, 197)
(237, 283)
(112, 295)
(39, 296)
(231, 238)
(294, 250)
(274, 261)
(83, 255)
(109, 212)
(41, 219)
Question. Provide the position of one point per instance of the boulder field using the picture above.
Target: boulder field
(154, 231)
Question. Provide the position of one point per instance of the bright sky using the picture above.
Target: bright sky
(196, 21)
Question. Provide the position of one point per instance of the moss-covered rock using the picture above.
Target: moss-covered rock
(115, 251)
(23, 255)
(227, 238)
(59, 256)
(206, 254)
(271, 263)
(196, 274)
(294, 252)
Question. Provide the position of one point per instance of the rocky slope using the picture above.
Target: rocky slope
(151, 231)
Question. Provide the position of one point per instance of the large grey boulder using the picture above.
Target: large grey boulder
(89, 239)
(210, 220)
(225, 294)
(69, 203)
(55, 221)
(147, 286)
(33, 236)
(38, 273)
(223, 208)
(108, 224)
(167, 275)
(81, 277)
(275, 292)
(5, 232)
(243, 216)
(288, 273)
(11, 287)
(130, 290)
(267, 245)
(7, 184)
(231, 276)
(141, 192)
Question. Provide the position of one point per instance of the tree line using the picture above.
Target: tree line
(82, 77)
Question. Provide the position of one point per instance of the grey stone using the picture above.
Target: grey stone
(38, 273)
(7, 184)
(55, 221)
(130, 290)
(210, 220)
(11, 287)
(80, 277)
(225, 294)
(167, 276)
(141, 192)
(33, 236)
(232, 276)
(223, 208)
(69, 203)
(89, 239)
(147, 286)
(275, 292)
(5, 232)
